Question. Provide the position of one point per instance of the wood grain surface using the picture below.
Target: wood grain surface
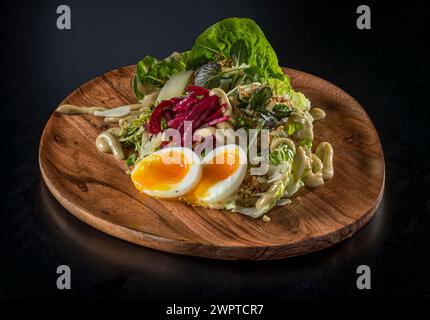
(94, 187)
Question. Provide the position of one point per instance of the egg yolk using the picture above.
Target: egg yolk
(223, 166)
(160, 172)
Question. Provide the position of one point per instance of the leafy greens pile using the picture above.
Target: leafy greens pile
(231, 76)
(238, 40)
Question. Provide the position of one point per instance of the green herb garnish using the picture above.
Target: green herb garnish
(259, 99)
(131, 160)
(282, 110)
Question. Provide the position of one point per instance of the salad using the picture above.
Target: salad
(218, 126)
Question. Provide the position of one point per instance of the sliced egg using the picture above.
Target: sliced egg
(167, 173)
(224, 169)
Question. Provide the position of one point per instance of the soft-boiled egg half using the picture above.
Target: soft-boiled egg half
(167, 173)
(224, 169)
(179, 173)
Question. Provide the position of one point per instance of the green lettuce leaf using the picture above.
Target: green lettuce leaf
(132, 130)
(223, 40)
(239, 40)
(278, 86)
(299, 100)
(151, 72)
(242, 41)
(131, 160)
(281, 155)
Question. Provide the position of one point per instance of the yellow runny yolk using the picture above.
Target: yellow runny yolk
(160, 172)
(223, 166)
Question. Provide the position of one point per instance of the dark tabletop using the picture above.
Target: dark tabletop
(386, 69)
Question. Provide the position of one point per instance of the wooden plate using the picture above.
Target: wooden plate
(94, 187)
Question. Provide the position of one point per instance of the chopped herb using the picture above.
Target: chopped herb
(282, 110)
(131, 160)
(260, 98)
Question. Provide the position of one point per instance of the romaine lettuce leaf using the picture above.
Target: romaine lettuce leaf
(299, 100)
(217, 41)
(237, 39)
(278, 86)
(222, 40)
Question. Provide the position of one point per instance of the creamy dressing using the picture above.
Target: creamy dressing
(72, 110)
(108, 142)
(317, 113)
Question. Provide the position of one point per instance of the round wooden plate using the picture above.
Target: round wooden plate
(94, 187)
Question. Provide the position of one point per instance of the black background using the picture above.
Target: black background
(386, 69)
